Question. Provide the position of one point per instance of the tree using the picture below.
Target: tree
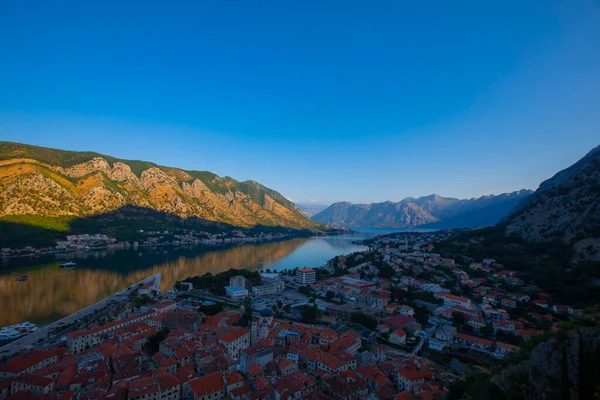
(459, 318)
(246, 319)
(330, 295)
(305, 290)
(363, 319)
(386, 271)
(211, 309)
(310, 313)
(153, 342)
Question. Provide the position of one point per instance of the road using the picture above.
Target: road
(425, 338)
(48, 332)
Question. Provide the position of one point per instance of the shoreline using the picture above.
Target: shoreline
(211, 243)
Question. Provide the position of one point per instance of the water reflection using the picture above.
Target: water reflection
(51, 292)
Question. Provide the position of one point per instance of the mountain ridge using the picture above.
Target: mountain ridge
(432, 211)
(48, 182)
(564, 207)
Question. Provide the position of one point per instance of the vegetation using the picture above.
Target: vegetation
(216, 283)
(211, 309)
(310, 313)
(547, 265)
(365, 320)
(153, 343)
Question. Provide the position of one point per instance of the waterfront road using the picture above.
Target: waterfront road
(49, 332)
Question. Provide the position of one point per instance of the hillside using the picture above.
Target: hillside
(552, 238)
(48, 187)
(432, 211)
(565, 207)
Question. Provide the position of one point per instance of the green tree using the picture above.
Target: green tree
(310, 313)
(211, 309)
(365, 320)
(330, 295)
(153, 342)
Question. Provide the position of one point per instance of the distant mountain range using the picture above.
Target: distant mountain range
(432, 211)
(41, 186)
(311, 209)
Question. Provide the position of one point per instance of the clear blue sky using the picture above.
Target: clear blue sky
(322, 100)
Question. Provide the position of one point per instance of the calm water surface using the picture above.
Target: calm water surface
(52, 293)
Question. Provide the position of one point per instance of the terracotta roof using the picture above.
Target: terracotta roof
(207, 384)
(473, 339)
(306, 270)
(26, 361)
(413, 374)
(233, 378)
(255, 370)
(233, 336)
(108, 326)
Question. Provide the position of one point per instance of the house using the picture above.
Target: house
(208, 387)
(509, 303)
(398, 337)
(501, 350)
(562, 309)
(526, 334)
(294, 386)
(29, 362)
(235, 341)
(406, 310)
(446, 334)
(473, 342)
(408, 324)
(383, 328)
(541, 303)
(411, 380)
(31, 383)
(452, 300)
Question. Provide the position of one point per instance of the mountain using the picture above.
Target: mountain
(311, 209)
(565, 207)
(552, 238)
(41, 186)
(432, 211)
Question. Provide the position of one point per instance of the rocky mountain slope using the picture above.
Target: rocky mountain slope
(40, 183)
(432, 211)
(566, 207)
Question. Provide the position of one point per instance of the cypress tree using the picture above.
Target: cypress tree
(565, 393)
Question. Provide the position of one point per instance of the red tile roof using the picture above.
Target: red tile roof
(207, 384)
(26, 361)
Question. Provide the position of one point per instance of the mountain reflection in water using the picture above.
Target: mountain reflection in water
(52, 292)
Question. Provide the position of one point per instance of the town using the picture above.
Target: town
(149, 238)
(396, 321)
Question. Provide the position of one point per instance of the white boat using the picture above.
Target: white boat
(10, 333)
(68, 265)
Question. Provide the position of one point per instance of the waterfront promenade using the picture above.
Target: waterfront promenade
(71, 322)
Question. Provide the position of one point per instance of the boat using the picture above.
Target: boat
(22, 278)
(68, 265)
(10, 333)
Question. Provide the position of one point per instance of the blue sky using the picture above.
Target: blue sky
(324, 101)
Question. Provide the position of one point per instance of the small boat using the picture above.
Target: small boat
(22, 278)
(68, 265)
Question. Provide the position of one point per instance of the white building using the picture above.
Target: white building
(237, 281)
(271, 288)
(305, 276)
(236, 292)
